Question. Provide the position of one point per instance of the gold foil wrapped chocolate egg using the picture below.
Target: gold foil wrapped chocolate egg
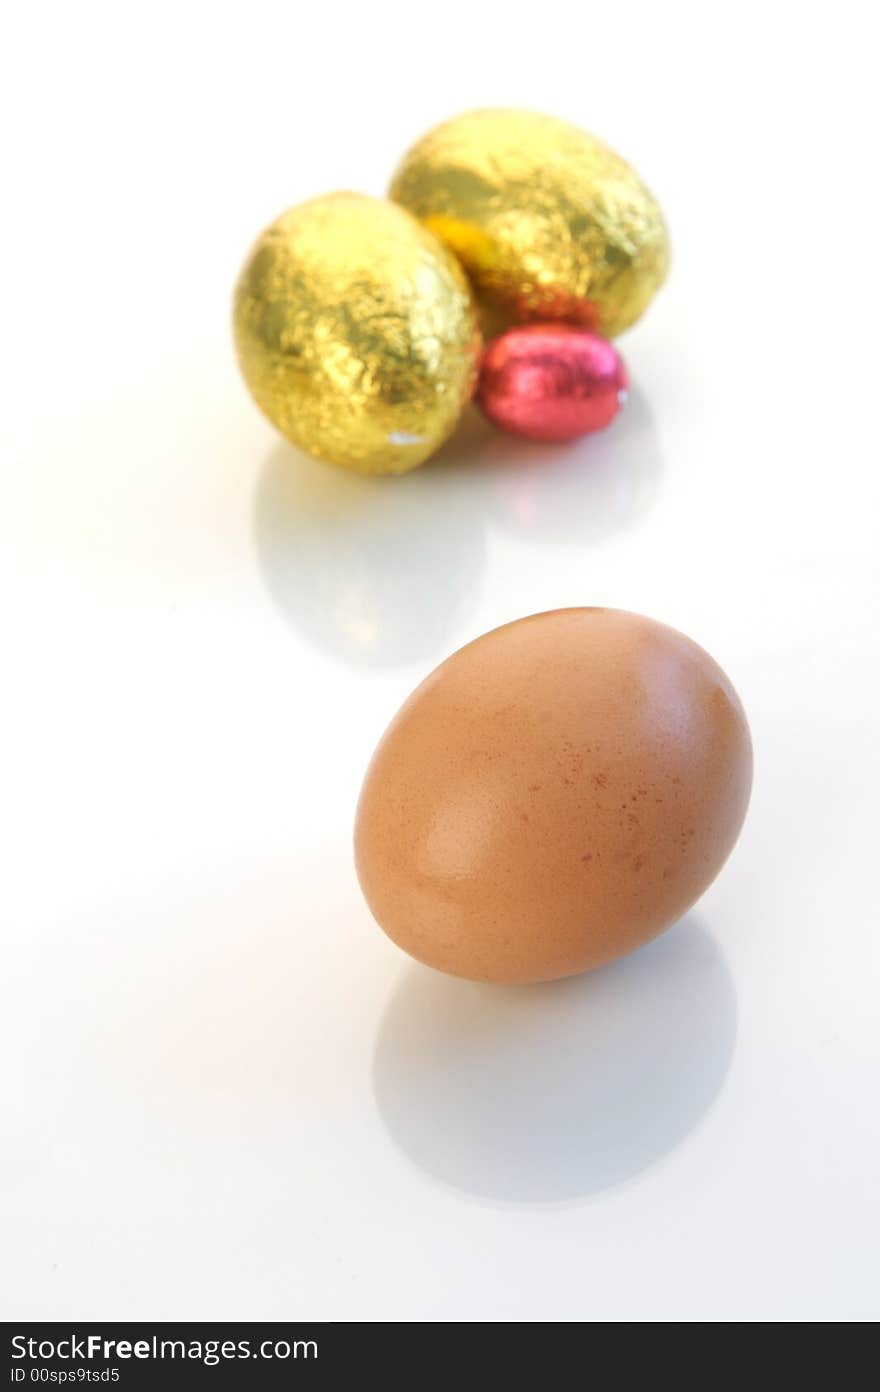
(356, 333)
(548, 222)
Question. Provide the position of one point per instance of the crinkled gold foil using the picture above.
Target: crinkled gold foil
(356, 333)
(549, 223)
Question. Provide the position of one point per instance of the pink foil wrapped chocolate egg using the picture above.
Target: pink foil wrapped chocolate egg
(551, 382)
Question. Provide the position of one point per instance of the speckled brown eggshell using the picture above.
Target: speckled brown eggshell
(552, 796)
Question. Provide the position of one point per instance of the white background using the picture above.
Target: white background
(225, 1094)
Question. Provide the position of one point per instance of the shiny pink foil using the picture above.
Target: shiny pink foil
(551, 382)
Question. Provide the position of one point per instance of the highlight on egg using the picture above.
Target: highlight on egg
(552, 796)
(356, 333)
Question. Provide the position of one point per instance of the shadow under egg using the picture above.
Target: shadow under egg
(557, 1091)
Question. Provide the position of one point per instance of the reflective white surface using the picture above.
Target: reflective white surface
(225, 1094)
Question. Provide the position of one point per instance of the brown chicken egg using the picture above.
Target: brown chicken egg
(552, 796)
